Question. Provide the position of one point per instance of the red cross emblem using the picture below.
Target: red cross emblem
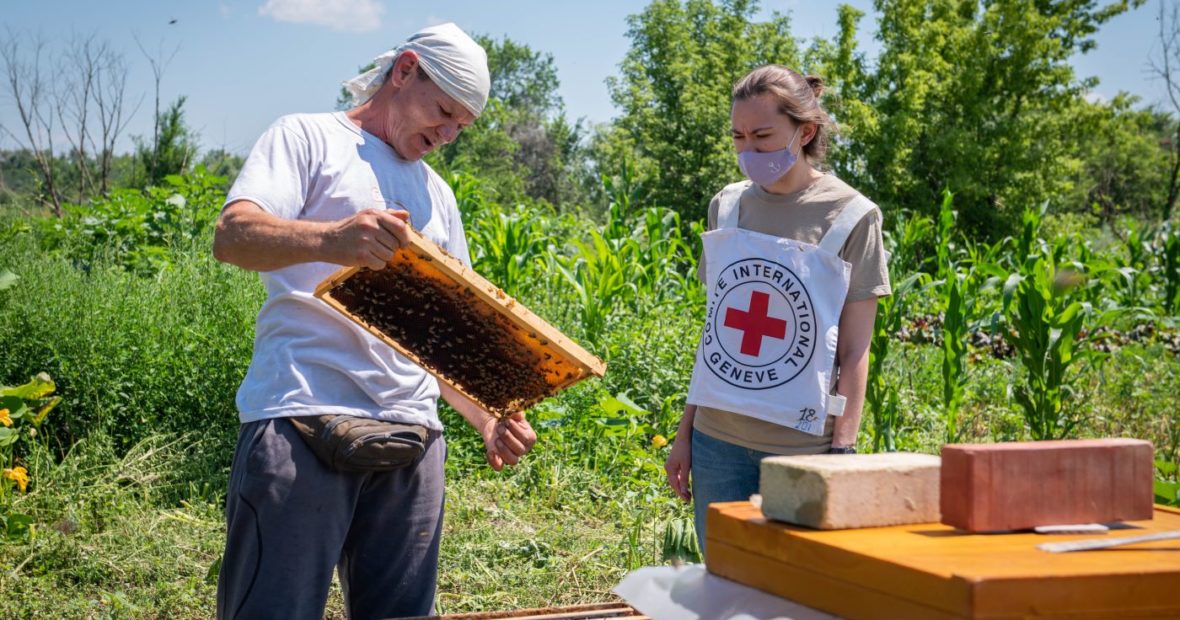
(756, 323)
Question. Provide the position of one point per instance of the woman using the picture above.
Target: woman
(794, 264)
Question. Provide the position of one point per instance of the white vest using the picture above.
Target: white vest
(769, 343)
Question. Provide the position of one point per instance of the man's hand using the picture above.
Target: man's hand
(507, 440)
(367, 239)
(504, 441)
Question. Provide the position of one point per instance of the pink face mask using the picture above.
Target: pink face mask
(766, 168)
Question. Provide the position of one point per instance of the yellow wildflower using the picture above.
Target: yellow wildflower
(659, 441)
(19, 475)
(5, 419)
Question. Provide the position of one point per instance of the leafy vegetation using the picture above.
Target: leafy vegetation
(139, 229)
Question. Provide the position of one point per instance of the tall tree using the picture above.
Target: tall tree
(110, 93)
(90, 109)
(1124, 166)
(522, 145)
(159, 63)
(81, 59)
(33, 95)
(1166, 66)
(971, 95)
(674, 94)
(173, 150)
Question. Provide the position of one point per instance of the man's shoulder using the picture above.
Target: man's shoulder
(436, 182)
(307, 124)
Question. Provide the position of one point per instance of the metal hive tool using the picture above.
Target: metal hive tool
(601, 611)
(461, 328)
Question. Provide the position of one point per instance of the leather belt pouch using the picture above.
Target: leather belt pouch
(355, 444)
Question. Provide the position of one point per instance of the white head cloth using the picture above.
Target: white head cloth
(451, 58)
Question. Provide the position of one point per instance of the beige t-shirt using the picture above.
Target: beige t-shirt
(804, 216)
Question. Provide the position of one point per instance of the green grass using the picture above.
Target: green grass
(116, 537)
(136, 355)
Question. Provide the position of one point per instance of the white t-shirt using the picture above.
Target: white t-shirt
(308, 358)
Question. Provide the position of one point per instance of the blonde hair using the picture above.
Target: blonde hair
(798, 97)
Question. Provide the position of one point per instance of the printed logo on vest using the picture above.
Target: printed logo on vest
(760, 328)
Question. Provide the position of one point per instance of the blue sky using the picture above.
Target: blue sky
(243, 63)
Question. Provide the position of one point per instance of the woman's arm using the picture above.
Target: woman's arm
(679, 462)
(852, 351)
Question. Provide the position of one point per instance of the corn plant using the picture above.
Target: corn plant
(469, 194)
(954, 354)
(944, 242)
(1047, 325)
(599, 275)
(1131, 281)
(957, 314)
(882, 399)
(1028, 244)
(664, 261)
(623, 193)
(508, 246)
(1170, 266)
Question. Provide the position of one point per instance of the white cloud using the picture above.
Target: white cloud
(1095, 97)
(341, 15)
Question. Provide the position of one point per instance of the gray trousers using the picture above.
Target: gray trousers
(290, 521)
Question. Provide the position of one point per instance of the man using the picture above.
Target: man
(319, 191)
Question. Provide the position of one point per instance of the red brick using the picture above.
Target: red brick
(1012, 486)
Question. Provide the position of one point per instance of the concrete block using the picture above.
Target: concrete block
(1021, 485)
(841, 491)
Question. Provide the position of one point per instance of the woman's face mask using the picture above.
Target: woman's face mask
(767, 168)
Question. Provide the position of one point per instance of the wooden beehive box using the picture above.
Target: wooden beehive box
(932, 571)
(464, 330)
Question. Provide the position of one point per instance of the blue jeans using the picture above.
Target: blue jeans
(721, 472)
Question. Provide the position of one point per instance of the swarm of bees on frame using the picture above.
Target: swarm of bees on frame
(479, 350)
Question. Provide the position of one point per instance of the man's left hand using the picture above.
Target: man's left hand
(507, 440)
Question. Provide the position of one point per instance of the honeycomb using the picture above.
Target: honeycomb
(460, 328)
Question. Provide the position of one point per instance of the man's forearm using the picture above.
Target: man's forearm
(473, 413)
(256, 240)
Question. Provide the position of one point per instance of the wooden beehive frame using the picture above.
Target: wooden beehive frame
(432, 261)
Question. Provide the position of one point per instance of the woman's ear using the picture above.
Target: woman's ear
(809, 130)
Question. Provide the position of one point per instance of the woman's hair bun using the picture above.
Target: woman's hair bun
(816, 83)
